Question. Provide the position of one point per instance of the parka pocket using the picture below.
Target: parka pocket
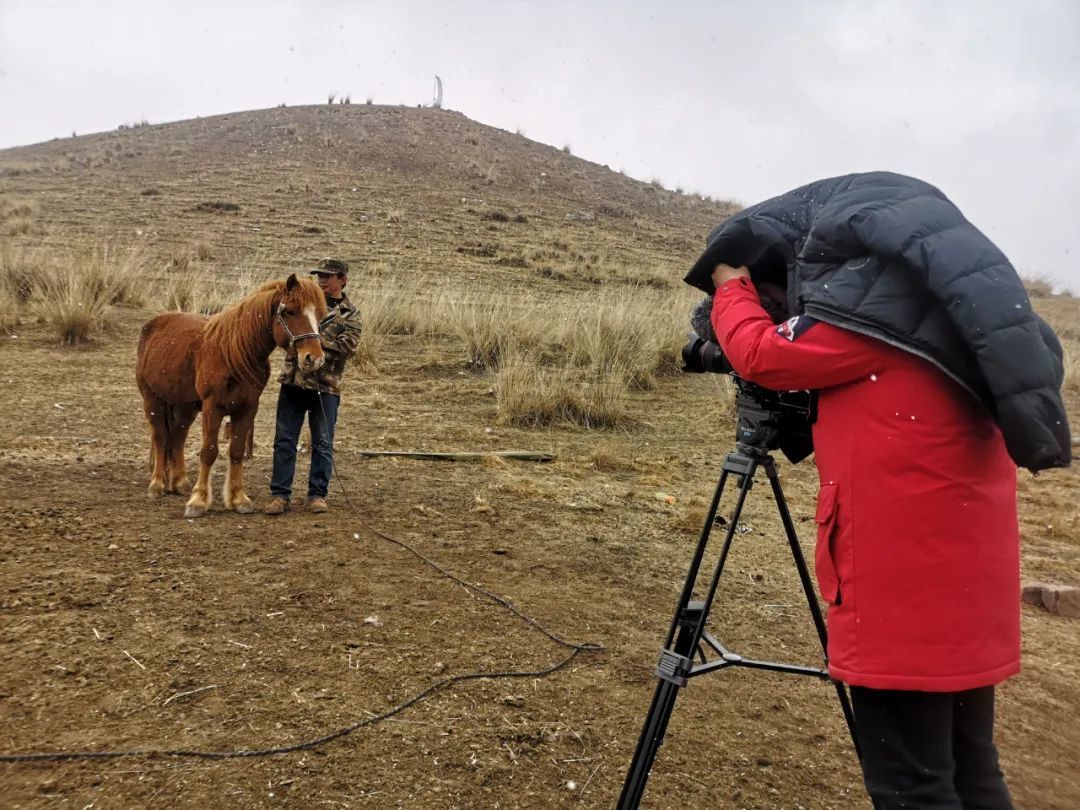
(824, 564)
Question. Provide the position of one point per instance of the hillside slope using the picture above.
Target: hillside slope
(427, 188)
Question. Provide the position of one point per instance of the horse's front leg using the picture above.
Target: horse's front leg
(233, 492)
(201, 496)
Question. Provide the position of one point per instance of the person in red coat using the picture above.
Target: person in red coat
(917, 555)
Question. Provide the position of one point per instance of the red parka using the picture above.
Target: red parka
(918, 552)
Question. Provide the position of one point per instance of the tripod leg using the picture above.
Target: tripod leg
(689, 621)
(656, 722)
(699, 554)
(808, 589)
(652, 737)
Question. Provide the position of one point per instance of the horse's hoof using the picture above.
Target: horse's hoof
(155, 491)
(194, 511)
(182, 487)
(244, 508)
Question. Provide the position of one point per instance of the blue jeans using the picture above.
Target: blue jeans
(293, 405)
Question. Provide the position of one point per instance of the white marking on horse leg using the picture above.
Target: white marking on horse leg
(202, 495)
(238, 499)
(158, 483)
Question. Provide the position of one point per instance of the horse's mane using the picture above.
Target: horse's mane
(240, 331)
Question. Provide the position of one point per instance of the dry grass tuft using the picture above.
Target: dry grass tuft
(633, 334)
(22, 277)
(485, 326)
(77, 294)
(605, 456)
(393, 307)
(1039, 286)
(691, 517)
(565, 360)
(530, 395)
(190, 286)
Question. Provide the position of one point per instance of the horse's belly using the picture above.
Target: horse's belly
(166, 356)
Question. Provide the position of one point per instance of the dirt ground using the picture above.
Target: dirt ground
(114, 607)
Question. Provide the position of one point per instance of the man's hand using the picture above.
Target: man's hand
(725, 272)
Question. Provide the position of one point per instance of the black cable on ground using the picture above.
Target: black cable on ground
(575, 650)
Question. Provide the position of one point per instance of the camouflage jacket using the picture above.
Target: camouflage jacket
(340, 335)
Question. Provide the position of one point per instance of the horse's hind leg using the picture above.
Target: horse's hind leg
(201, 496)
(157, 416)
(180, 422)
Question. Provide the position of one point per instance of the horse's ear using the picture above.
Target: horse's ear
(291, 283)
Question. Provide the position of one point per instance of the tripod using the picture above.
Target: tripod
(688, 633)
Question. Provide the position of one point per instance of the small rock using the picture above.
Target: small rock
(113, 547)
(373, 621)
(1061, 600)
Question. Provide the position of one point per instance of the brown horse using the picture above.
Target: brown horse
(220, 365)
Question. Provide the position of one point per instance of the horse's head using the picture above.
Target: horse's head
(301, 307)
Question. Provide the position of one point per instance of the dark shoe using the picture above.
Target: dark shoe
(277, 506)
(317, 505)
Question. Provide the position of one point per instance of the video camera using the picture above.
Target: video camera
(767, 419)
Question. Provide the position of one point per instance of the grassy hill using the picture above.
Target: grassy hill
(427, 189)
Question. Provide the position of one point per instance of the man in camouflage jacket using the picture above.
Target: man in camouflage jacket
(315, 395)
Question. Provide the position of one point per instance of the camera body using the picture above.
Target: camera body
(767, 419)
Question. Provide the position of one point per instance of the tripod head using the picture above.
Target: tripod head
(769, 420)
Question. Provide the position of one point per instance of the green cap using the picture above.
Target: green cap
(331, 267)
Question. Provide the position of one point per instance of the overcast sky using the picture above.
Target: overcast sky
(738, 100)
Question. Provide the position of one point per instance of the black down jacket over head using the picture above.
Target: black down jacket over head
(890, 256)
